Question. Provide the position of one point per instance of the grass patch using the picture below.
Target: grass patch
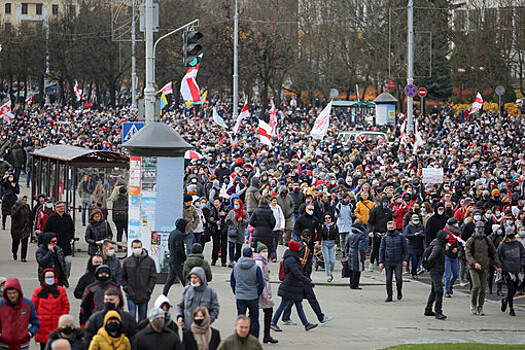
(460, 346)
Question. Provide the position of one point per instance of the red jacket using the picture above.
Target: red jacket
(49, 309)
(19, 322)
(400, 211)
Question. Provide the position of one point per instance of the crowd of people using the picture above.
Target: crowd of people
(316, 200)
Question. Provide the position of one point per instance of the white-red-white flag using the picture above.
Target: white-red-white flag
(167, 89)
(265, 133)
(418, 141)
(403, 135)
(245, 113)
(30, 100)
(5, 112)
(189, 89)
(478, 103)
(322, 122)
(273, 119)
(78, 92)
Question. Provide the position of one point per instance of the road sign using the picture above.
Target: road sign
(422, 92)
(500, 90)
(391, 85)
(410, 90)
(129, 129)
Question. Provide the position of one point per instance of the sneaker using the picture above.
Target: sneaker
(440, 317)
(230, 265)
(310, 326)
(389, 299)
(330, 279)
(327, 319)
(503, 304)
(474, 309)
(480, 311)
(289, 323)
(370, 268)
(512, 313)
(448, 295)
(429, 313)
(275, 328)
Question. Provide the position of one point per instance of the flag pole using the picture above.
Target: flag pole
(235, 62)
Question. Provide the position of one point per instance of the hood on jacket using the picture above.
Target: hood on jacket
(255, 182)
(90, 267)
(281, 189)
(52, 270)
(439, 205)
(111, 314)
(442, 236)
(245, 263)
(161, 299)
(216, 184)
(47, 237)
(359, 228)
(13, 283)
(233, 196)
(199, 271)
(181, 224)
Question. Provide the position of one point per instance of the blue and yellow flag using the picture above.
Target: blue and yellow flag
(163, 102)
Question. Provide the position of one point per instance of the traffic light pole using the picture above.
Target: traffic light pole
(410, 68)
(235, 63)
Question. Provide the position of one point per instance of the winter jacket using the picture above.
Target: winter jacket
(362, 210)
(149, 339)
(263, 221)
(246, 279)
(343, 214)
(21, 220)
(85, 280)
(139, 275)
(292, 287)
(234, 342)
(379, 216)
(482, 253)
(400, 211)
(18, 323)
(253, 195)
(49, 306)
(76, 341)
(434, 224)
(115, 267)
(18, 156)
(103, 341)
(190, 214)
(279, 217)
(176, 246)
(393, 248)
(239, 226)
(298, 198)
(416, 243)
(120, 207)
(286, 203)
(267, 291)
(97, 231)
(96, 321)
(53, 259)
(356, 247)
(309, 222)
(436, 258)
(329, 233)
(169, 322)
(64, 228)
(192, 297)
(9, 196)
(189, 343)
(194, 260)
(408, 218)
(512, 256)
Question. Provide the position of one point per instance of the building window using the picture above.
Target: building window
(24, 8)
(38, 9)
(54, 9)
(8, 8)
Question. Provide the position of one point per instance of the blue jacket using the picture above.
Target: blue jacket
(393, 248)
(247, 280)
(415, 243)
(343, 213)
(356, 246)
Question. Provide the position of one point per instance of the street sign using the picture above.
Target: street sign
(129, 129)
(410, 90)
(422, 92)
(391, 85)
(500, 90)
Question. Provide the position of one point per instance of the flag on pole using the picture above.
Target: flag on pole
(218, 119)
(265, 133)
(167, 89)
(403, 135)
(204, 96)
(30, 100)
(78, 92)
(322, 122)
(478, 103)
(418, 141)
(5, 112)
(245, 113)
(189, 88)
(273, 119)
(163, 102)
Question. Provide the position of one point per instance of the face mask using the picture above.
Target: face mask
(158, 323)
(193, 181)
(391, 232)
(423, 210)
(416, 222)
(237, 206)
(49, 281)
(477, 217)
(441, 212)
(113, 327)
(479, 233)
(198, 321)
(137, 251)
(103, 278)
(197, 284)
(67, 330)
(110, 306)
(329, 224)
(385, 204)
(111, 252)
(265, 255)
(498, 212)
(11, 178)
(522, 234)
(310, 212)
(511, 235)
(488, 216)
(197, 205)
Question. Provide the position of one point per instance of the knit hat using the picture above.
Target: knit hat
(495, 192)
(294, 246)
(188, 198)
(2, 280)
(415, 217)
(247, 252)
(65, 320)
(260, 247)
(196, 248)
(480, 224)
(452, 221)
(155, 313)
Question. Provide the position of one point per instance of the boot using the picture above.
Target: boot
(270, 340)
(399, 294)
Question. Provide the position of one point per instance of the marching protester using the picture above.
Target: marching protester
(201, 335)
(20, 228)
(511, 254)
(176, 241)
(393, 256)
(356, 247)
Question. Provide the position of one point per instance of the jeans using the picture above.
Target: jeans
(17, 174)
(189, 239)
(415, 261)
(390, 268)
(328, 249)
(142, 307)
(479, 284)
(122, 227)
(287, 304)
(68, 259)
(451, 272)
(312, 300)
(28, 177)
(295, 216)
(86, 208)
(235, 251)
(253, 307)
(176, 269)
(436, 294)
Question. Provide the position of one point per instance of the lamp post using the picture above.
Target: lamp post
(461, 71)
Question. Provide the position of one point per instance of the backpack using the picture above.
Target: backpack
(425, 262)
(281, 271)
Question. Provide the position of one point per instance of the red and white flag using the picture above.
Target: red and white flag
(322, 122)
(30, 100)
(189, 88)
(418, 141)
(478, 103)
(265, 133)
(167, 89)
(245, 113)
(403, 135)
(78, 92)
(5, 112)
(273, 119)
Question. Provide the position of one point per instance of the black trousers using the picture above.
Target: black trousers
(354, 278)
(16, 243)
(235, 251)
(512, 287)
(436, 294)
(266, 242)
(390, 269)
(376, 243)
(268, 313)
(175, 271)
(312, 300)
(220, 244)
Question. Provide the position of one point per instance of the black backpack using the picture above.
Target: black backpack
(425, 262)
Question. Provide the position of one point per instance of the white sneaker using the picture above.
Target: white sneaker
(474, 309)
(327, 319)
(289, 323)
(370, 267)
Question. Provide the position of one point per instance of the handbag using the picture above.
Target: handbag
(233, 233)
(345, 272)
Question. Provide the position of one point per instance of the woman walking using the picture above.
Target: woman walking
(97, 231)
(329, 240)
(10, 189)
(237, 223)
(511, 253)
(356, 247)
(21, 222)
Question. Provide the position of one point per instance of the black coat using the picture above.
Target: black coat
(176, 246)
(139, 275)
(378, 218)
(435, 223)
(149, 339)
(437, 257)
(189, 343)
(263, 222)
(9, 196)
(292, 287)
(309, 222)
(393, 248)
(53, 259)
(85, 280)
(97, 231)
(64, 228)
(96, 321)
(75, 341)
(330, 233)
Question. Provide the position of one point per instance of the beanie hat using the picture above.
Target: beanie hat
(452, 221)
(101, 269)
(495, 192)
(196, 248)
(415, 217)
(480, 224)
(294, 246)
(247, 252)
(260, 247)
(188, 198)
(65, 320)
(155, 313)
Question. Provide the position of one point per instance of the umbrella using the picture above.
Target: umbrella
(192, 155)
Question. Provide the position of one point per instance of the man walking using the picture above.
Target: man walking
(479, 251)
(189, 213)
(393, 256)
(247, 283)
(139, 275)
(379, 216)
(177, 255)
(436, 265)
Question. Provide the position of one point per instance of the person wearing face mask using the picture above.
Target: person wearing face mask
(50, 255)
(51, 302)
(189, 213)
(196, 258)
(201, 335)
(88, 277)
(415, 234)
(162, 302)
(435, 223)
(393, 256)
(329, 241)
(177, 255)
(68, 331)
(479, 251)
(263, 221)
(512, 256)
(436, 263)
(20, 227)
(451, 256)
(356, 246)
(197, 293)
(497, 235)
(156, 336)
(495, 199)
(97, 231)
(298, 198)
(139, 275)
(110, 259)
(10, 190)
(379, 216)
(45, 211)
(308, 221)
(110, 336)
(237, 223)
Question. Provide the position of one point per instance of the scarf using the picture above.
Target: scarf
(46, 290)
(239, 213)
(202, 334)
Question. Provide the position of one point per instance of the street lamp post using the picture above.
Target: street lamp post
(235, 62)
(461, 71)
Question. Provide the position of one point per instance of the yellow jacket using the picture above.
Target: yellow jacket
(103, 341)
(362, 210)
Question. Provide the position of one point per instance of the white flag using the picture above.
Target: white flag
(167, 89)
(418, 142)
(5, 112)
(78, 92)
(245, 113)
(218, 119)
(265, 133)
(478, 103)
(321, 123)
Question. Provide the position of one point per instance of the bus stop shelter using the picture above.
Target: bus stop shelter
(355, 110)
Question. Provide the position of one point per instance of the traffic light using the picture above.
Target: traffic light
(191, 48)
